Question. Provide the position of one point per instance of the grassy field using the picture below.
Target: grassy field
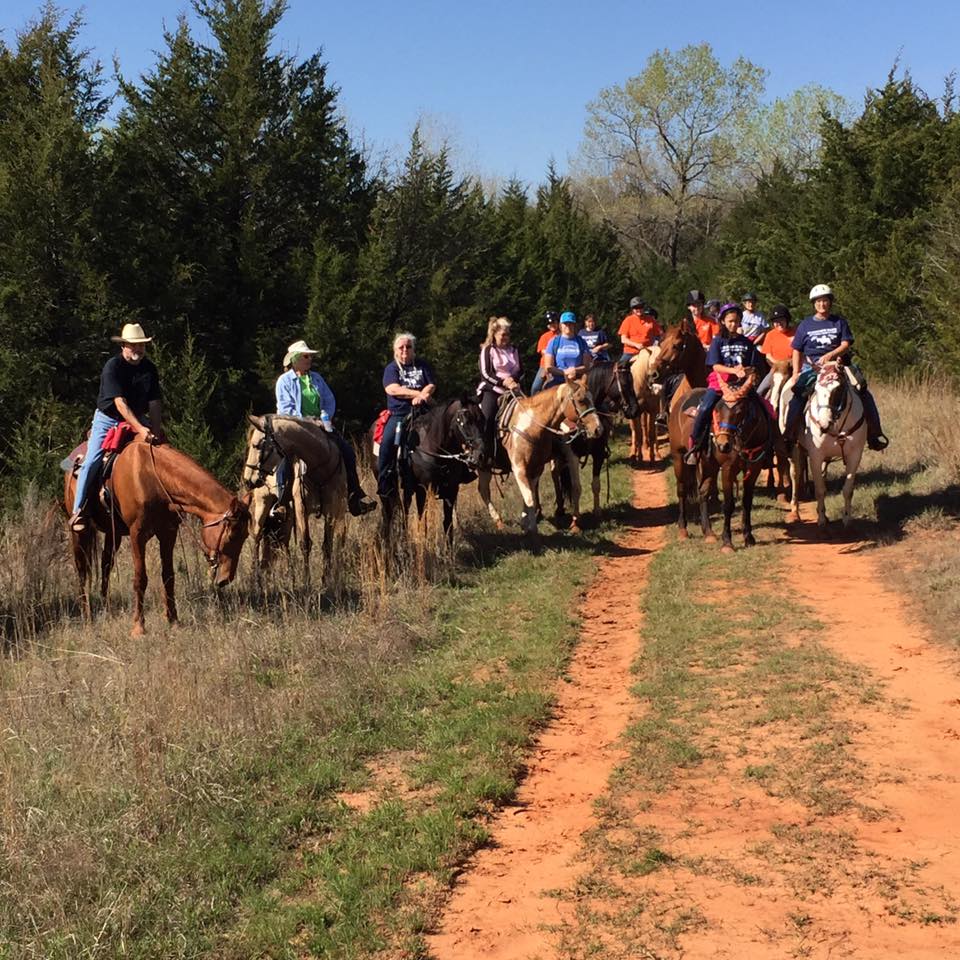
(285, 774)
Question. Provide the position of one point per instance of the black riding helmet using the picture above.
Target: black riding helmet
(780, 312)
(694, 296)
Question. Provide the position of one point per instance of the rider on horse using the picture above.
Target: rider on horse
(567, 356)
(595, 338)
(733, 359)
(302, 392)
(552, 320)
(130, 393)
(408, 383)
(500, 372)
(820, 338)
(638, 331)
(706, 328)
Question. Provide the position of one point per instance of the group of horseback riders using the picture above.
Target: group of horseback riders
(739, 340)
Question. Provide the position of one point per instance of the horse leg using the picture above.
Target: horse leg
(820, 487)
(597, 460)
(728, 478)
(650, 425)
(138, 549)
(556, 474)
(793, 516)
(636, 440)
(168, 539)
(483, 487)
(703, 489)
(850, 468)
(750, 478)
(573, 472)
(449, 504)
(83, 544)
(680, 477)
(528, 492)
(110, 547)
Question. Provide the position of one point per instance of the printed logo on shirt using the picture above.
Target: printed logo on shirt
(411, 377)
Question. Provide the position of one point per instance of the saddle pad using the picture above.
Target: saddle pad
(74, 458)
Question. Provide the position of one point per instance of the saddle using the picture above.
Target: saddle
(113, 445)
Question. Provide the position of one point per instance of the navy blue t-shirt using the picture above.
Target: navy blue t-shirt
(137, 383)
(816, 337)
(413, 376)
(732, 351)
(593, 337)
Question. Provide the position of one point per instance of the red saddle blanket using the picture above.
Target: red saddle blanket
(117, 437)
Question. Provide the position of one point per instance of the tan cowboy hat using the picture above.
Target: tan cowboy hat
(132, 333)
(299, 347)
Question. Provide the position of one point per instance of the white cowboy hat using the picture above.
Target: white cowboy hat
(132, 333)
(299, 347)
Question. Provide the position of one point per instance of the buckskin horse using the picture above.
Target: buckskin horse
(681, 353)
(834, 428)
(151, 488)
(318, 477)
(643, 429)
(527, 427)
(611, 386)
(443, 447)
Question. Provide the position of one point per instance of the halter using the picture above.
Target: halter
(470, 436)
(267, 445)
(749, 455)
(839, 434)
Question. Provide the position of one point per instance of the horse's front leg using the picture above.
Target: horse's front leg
(680, 476)
(819, 485)
(110, 546)
(449, 497)
(750, 478)
(528, 491)
(301, 520)
(636, 439)
(167, 539)
(793, 515)
(704, 487)
(138, 545)
(83, 543)
(597, 460)
(728, 476)
(576, 489)
(483, 487)
(650, 424)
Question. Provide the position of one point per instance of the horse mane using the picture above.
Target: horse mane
(177, 471)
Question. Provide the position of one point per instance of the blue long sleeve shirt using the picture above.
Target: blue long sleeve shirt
(288, 395)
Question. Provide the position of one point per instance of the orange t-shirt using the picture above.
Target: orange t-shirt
(707, 329)
(639, 329)
(545, 338)
(777, 344)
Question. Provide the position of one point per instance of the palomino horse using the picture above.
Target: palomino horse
(834, 428)
(444, 447)
(742, 434)
(611, 386)
(319, 485)
(643, 429)
(681, 353)
(151, 488)
(527, 428)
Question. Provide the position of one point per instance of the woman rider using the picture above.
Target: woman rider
(129, 392)
(820, 338)
(302, 392)
(553, 323)
(409, 383)
(776, 346)
(732, 358)
(499, 372)
(567, 356)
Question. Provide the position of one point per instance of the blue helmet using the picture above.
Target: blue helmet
(568, 316)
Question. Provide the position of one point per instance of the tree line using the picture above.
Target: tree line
(220, 201)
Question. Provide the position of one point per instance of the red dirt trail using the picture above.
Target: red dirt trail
(499, 908)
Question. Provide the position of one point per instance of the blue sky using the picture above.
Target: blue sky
(509, 82)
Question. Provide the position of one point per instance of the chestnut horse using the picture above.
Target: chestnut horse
(151, 488)
(681, 353)
(527, 429)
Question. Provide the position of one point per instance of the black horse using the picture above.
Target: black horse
(442, 449)
(611, 386)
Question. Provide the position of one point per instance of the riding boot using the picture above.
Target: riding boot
(279, 511)
(791, 430)
(875, 437)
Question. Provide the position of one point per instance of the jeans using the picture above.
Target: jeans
(538, 381)
(707, 404)
(766, 385)
(349, 463)
(90, 468)
(387, 460)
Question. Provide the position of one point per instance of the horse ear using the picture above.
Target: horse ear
(255, 421)
(247, 499)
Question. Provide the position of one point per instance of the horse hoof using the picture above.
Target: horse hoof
(682, 535)
(782, 498)
(575, 527)
(709, 538)
(501, 526)
(793, 517)
(750, 541)
(727, 548)
(137, 630)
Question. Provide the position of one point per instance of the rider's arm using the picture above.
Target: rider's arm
(797, 361)
(328, 402)
(836, 352)
(155, 410)
(124, 410)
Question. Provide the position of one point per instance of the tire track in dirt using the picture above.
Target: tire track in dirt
(501, 905)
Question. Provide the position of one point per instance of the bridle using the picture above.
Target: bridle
(268, 444)
(839, 434)
(470, 436)
(578, 419)
(749, 455)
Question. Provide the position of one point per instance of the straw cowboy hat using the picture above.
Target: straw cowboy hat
(132, 333)
(299, 347)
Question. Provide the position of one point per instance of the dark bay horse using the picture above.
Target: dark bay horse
(682, 354)
(612, 389)
(319, 483)
(152, 487)
(528, 428)
(742, 436)
(443, 449)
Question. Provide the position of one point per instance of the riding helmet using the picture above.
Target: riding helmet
(552, 316)
(694, 296)
(727, 307)
(780, 312)
(749, 296)
(636, 302)
(821, 290)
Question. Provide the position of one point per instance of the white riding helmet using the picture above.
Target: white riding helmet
(820, 290)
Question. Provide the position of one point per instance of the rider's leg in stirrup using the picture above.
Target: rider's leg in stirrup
(699, 435)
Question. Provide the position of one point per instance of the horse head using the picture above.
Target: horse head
(830, 394)
(680, 352)
(579, 407)
(263, 452)
(467, 424)
(611, 386)
(729, 418)
(223, 539)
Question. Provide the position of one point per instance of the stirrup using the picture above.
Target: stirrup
(78, 521)
(692, 457)
(879, 442)
(278, 512)
(359, 503)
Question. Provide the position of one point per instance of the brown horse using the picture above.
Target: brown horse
(527, 429)
(742, 434)
(643, 429)
(681, 354)
(151, 488)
